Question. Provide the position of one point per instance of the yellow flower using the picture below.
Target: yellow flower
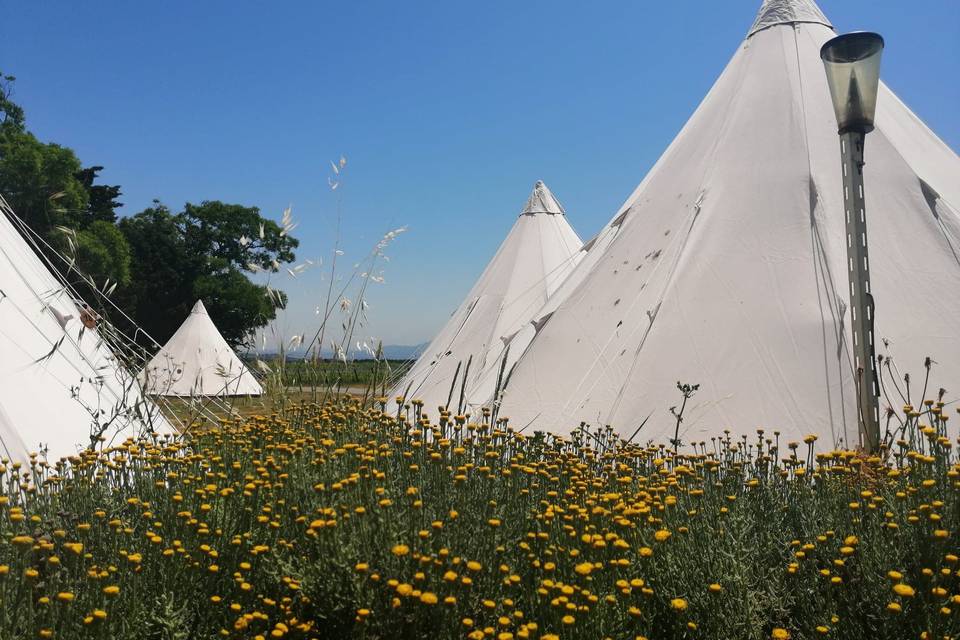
(65, 596)
(894, 607)
(428, 598)
(715, 588)
(779, 633)
(584, 568)
(661, 535)
(678, 604)
(903, 590)
(568, 619)
(473, 565)
(400, 550)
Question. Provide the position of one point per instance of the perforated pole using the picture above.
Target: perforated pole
(861, 300)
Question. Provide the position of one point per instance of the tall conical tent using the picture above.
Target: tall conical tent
(468, 353)
(727, 267)
(197, 361)
(61, 388)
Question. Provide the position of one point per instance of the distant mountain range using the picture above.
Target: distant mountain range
(403, 352)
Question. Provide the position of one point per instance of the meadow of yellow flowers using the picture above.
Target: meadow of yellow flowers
(343, 521)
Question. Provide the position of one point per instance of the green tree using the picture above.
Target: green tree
(104, 254)
(47, 187)
(11, 114)
(160, 293)
(102, 199)
(161, 262)
(198, 254)
(39, 181)
(235, 236)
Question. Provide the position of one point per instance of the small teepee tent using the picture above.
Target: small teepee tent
(727, 266)
(197, 361)
(470, 351)
(61, 388)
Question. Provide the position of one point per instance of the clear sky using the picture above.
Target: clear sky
(447, 112)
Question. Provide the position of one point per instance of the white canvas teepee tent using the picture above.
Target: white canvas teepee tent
(727, 265)
(60, 386)
(468, 353)
(197, 361)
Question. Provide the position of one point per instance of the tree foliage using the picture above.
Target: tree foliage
(235, 236)
(102, 199)
(104, 253)
(39, 181)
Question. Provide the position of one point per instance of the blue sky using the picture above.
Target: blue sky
(447, 112)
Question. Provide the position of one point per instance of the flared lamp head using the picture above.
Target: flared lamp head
(852, 63)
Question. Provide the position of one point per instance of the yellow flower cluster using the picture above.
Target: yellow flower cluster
(343, 520)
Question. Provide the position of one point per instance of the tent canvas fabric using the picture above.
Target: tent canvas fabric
(537, 255)
(11, 444)
(59, 382)
(727, 266)
(197, 361)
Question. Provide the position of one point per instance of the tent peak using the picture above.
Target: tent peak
(541, 200)
(199, 308)
(774, 12)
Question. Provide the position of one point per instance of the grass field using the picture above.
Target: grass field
(340, 521)
(330, 373)
(292, 382)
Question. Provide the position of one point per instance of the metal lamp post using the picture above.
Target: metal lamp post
(852, 64)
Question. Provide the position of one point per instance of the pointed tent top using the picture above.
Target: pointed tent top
(541, 200)
(774, 12)
(199, 308)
